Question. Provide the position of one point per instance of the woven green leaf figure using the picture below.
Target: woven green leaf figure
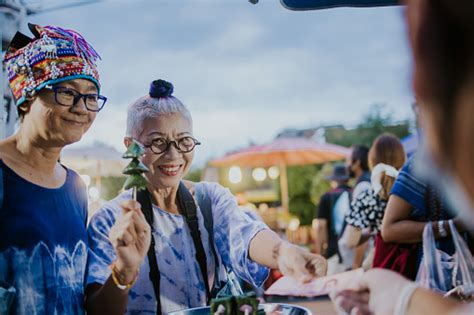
(246, 305)
(135, 168)
(223, 306)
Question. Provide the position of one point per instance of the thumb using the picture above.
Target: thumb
(130, 205)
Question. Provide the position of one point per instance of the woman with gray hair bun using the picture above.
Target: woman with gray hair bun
(196, 240)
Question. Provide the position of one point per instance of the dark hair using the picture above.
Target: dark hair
(160, 88)
(387, 149)
(360, 153)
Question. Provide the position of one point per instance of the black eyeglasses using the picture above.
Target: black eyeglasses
(183, 145)
(69, 97)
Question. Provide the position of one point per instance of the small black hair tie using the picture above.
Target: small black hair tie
(160, 88)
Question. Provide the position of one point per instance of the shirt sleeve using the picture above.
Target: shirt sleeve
(233, 233)
(101, 251)
(410, 188)
(361, 206)
(360, 188)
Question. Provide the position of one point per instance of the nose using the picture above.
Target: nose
(80, 107)
(173, 151)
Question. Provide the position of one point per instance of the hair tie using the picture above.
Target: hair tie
(160, 88)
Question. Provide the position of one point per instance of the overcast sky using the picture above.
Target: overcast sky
(245, 71)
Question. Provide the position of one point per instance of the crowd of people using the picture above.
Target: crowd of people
(183, 242)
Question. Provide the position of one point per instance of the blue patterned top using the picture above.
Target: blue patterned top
(181, 283)
(43, 245)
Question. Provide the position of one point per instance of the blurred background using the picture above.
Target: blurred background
(250, 75)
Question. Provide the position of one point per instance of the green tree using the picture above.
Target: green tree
(110, 186)
(374, 123)
(300, 180)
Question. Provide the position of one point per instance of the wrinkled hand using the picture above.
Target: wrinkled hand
(130, 236)
(377, 294)
(299, 263)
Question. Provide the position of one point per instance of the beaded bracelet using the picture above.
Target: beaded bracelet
(117, 282)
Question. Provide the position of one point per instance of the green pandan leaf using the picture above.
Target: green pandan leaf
(223, 306)
(135, 180)
(135, 167)
(134, 150)
(246, 303)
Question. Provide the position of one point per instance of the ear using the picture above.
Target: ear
(25, 107)
(127, 141)
(356, 163)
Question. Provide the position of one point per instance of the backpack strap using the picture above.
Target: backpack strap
(143, 197)
(188, 210)
(205, 205)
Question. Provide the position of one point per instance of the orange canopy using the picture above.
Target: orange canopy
(284, 151)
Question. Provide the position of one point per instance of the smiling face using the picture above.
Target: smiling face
(169, 167)
(60, 125)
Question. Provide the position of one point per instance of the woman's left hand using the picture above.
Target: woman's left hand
(299, 263)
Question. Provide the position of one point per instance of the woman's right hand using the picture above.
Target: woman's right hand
(130, 236)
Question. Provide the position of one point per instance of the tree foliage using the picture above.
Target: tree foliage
(307, 183)
(374, 123)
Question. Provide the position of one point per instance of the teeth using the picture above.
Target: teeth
(170, 169)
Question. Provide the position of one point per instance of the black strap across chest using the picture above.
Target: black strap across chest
(187, 209)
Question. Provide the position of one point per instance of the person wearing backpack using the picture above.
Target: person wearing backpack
(333, 207)
(199, 242)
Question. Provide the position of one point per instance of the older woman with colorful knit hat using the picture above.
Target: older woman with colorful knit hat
(43, 205)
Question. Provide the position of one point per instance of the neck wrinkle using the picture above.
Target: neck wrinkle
(165, 198)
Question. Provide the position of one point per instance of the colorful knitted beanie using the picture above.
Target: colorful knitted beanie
(53, 56)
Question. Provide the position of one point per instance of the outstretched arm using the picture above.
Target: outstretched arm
(268, 249)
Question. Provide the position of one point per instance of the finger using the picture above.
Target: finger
(317, 265)
(130, 227)
(361, 310)
(140, 225)
(123, 222)
(357, 296)
(125, 239)
(130, 205)
(350, 301)
(141, 221)
(301, 271)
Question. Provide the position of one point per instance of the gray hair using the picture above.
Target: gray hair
(149, 107)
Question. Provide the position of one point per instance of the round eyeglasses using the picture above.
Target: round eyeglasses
(69, 97)
(183, 145)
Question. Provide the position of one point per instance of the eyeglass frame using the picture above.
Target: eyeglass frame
(55, 88)
(175, 142)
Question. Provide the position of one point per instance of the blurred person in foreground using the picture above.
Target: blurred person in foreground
(441, 34)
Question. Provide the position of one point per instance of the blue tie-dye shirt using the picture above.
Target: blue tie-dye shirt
(43, 245)
(181, 282)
